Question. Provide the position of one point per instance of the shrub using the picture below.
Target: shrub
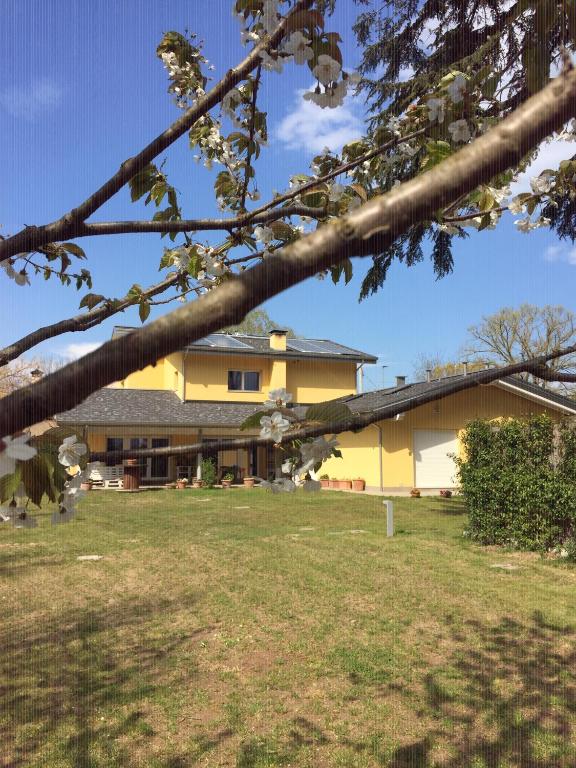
(209, 472)
(518, 480)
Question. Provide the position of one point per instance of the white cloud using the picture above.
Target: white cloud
(309, 127)
(549, 156)
(74, 351)
(32, 100)
(561, 253)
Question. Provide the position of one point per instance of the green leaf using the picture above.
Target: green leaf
(74, 249)
(305, 19)
(144, 310)
(486, 201)
(91, 300)
(331, 413)
(10, 483)
(344, 267)
(142, 182)
(254, 421)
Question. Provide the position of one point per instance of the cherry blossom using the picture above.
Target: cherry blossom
(327, 69)
(274, 426)
(543, 183)
(299, 46)
(70, 451)
(263, 234)
(435, 110)
(336, 192)
(278, 398)
(459, 130)
(456, 88)
(12, 450)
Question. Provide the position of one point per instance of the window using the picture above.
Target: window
(244, 381)
(113, 444)
(138, 443)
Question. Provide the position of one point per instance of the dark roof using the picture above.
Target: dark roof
(152, 407)
(245, 344)
(139, 407)
(438, 388)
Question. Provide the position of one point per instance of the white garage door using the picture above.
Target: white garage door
(434, 467)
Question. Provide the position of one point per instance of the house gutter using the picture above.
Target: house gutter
(380, 449)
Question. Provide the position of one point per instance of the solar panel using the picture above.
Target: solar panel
(222, 341)
(321, 347)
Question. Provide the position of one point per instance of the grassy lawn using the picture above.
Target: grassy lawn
(236, 628)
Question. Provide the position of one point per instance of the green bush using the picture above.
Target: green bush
(208, 472)
(518, 478)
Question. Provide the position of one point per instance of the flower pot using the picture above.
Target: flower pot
(86, 485)
(415, 493)
(197, 483)
(226, 483)
(447, 494)
(325, 483)
(346, 485)
(358, 484)
(181, 486)
(332, 483)
(249, 482)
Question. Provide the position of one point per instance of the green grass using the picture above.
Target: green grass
(291, 633)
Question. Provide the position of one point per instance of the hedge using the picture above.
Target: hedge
(518, 478)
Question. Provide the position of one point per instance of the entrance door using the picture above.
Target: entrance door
(434, 467)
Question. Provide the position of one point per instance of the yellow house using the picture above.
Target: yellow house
(206, 391)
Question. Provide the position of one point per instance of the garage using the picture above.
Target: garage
(434, 467)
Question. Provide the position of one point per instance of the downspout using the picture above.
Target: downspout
(380, 449)
(360, 379)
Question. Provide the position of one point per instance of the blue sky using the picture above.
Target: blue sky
(81, 90)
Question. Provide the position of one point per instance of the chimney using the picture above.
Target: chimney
(278, 339)
(428, 375)
(465, 364)
(400, 381)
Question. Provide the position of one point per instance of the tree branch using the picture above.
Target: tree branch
(30, 238)
(82, 322)
(354, 422)
(368, 230)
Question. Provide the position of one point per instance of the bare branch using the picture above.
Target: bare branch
(82, 322)
(354, 422)
(548, 374)
(31, 238)
(369, 229)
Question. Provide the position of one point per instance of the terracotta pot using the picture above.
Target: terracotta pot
(197, 483)
(226, 483)
(181, 486)
(358, 484)
(345, 485)
(415, 493)
(86, 486)
(325, 483)
(249, 482)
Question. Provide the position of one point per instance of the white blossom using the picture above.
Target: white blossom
(456, 88)
(70, 451)
(278, 398)
(269, 16)
(271, 64)
(525, 225)
(459, 130)
(542, 184)
(14, 449)
(314, 452)
(336, 192)
(327, 69)
(435, 110)
(263, 234)
(320, 99)
(246, 36)
(274, 426)
(450, 229)
(213, 266)
(20, 278)
(516, 205)
(335, 95)
(299, 46)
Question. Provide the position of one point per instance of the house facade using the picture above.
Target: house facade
(205, 392)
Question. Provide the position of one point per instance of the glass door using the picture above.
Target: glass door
(158, 465)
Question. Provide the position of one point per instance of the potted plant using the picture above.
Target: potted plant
(446, 493)
(358, 484)
(324, 481)
(227, 480)
(197, 483)
(181, 483)
(415, 493)
(345, 485)
(249, 481)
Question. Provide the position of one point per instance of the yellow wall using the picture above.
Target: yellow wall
(173, 378)
(313, 381)
(207, 377)
(151, 377)
(360, 450)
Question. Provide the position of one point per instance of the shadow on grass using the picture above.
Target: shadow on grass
(59, 679)
(504, 696)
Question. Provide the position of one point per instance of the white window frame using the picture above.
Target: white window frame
(242, 374)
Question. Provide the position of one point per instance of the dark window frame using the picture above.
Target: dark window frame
(243, 387)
